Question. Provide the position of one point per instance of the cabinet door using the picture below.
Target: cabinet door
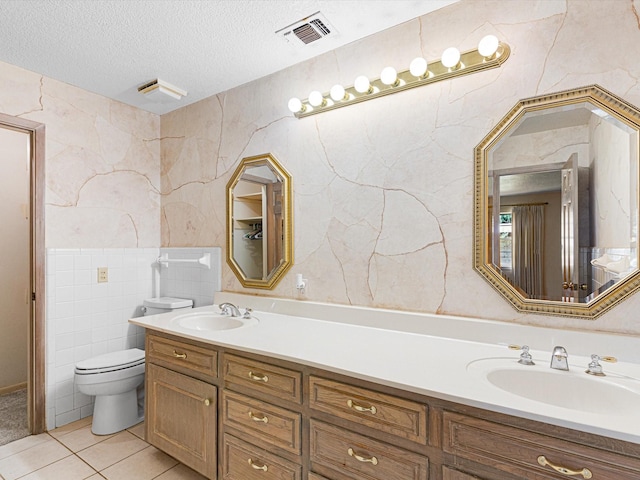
(181, 418)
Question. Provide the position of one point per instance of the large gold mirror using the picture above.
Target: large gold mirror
(556, 203)
(259, 223)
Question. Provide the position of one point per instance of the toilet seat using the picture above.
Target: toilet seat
(111, 362)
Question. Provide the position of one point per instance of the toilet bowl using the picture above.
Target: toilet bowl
(113, 378)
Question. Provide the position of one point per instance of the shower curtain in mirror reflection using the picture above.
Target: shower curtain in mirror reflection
(528, 245)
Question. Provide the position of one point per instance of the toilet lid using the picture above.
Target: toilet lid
(167, 302)
(113, 360)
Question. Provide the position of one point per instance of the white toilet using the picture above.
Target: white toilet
(115, 378)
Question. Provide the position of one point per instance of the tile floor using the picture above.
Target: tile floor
(72, 452)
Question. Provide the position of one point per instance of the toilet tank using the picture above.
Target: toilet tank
(153, 306)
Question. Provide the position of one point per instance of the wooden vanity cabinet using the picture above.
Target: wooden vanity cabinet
(240, 416)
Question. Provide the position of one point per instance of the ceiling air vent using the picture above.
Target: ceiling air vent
(308, 30)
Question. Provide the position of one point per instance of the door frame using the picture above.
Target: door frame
(37, 340)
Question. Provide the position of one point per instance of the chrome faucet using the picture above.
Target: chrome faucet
(560, 359)
(230, 309)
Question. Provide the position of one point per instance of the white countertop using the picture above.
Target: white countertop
(433, 364)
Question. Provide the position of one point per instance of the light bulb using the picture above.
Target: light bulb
(316, 99)
(488, 46)
(338, 93)
(362, 85)
(418, 67)
(389, 76)
(295, 105)
(451, 57)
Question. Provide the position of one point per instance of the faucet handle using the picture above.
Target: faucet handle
(594, 367)
(247, 313)
(525, 356)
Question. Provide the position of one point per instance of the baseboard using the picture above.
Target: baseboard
(13, 388)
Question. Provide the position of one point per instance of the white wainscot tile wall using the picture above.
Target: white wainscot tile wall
(86, 318)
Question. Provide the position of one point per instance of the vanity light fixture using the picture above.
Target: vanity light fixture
(389, 76)
(362, 85)
(338, 93)
(451, 58)
(419, 67)
(490, 53)
(296, 106)
(316, 99)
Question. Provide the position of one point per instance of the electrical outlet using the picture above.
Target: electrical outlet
(103, 274)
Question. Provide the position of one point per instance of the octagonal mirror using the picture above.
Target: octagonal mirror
(259, 223)
(556, 203)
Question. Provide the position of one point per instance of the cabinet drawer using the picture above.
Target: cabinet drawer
(450, 474)
(242, 461)
(362, 457)
(183, 355)
(313, 476)
(263, 377)
(390, 414)
(262, 421)
(519, 452)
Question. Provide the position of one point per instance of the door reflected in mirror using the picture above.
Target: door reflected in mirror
(259, 222)
(557, 203)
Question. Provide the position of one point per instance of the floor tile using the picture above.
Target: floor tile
(120, 446)
(69, 468)
(180, 472)
(138, 430)
(144, 465)
(22, 444)
(32, 459)
(71, 427)
(81, 438)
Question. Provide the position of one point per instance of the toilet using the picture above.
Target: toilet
(117, 378)
(114, 379)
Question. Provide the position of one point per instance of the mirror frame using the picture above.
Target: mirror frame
(287, 228)
(599, 97)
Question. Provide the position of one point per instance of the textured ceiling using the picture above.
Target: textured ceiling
(111, 47)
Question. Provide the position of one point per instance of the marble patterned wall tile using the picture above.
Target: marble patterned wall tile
(383, 190)
(102, 164)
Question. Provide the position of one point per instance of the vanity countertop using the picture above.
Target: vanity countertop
(416, 354)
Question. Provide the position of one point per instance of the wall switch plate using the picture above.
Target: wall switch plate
(103, 274)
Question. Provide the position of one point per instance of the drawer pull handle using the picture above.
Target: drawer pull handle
(585, 472)
(372, 460)
(255, 418)
(207, 402)
(258, 377)
(359, 408)
(255, 466)
(179, 355)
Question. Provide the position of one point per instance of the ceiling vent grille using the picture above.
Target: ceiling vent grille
(308, 30)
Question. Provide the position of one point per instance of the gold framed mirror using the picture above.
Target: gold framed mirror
(259, 222)
(556, 203)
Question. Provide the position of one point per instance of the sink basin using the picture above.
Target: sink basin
(573, 389)
(210, 321)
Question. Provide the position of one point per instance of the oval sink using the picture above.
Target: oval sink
(574, 389)
(209, 321)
